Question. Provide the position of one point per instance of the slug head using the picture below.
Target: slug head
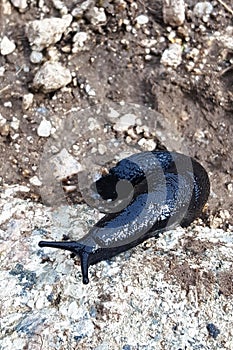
(76, 248)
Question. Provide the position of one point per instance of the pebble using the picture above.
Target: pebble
(27, 101)
(21, 5)
(96, 16)
(7, 46)
(64, 165)
(15, 123)
(142, 19)
(125, 122)
(51, 76)
(44, 129)
(174, 12)
(2, 120)
(172, 56)
(36, 56)
(202, 9)
(48, 31)
(79, 40)
(35, 181)
(80, 8)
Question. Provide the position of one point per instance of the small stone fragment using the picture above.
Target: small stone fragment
(21, 5)
(80, 38)
(48, 31)
(142, 19)
(2, 120)
(44, 129)
(15, 123)
(51, 76)
(80, 8)
(35, 181)
(172, 56)
(27, 101)
(64, 165)
(174, 12)
(202, 9)
(96, 15)
(7, 46)
(36, 57)
(125, 122)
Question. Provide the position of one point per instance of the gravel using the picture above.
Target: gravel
(165, 294)
(51, 76)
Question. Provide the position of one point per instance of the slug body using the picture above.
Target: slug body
(163, 189)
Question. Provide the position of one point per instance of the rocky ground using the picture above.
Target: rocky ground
(83, 84)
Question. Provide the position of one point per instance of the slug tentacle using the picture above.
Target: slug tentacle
(168, 189)
(76, 248)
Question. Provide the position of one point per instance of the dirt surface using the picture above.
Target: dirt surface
(196, 96)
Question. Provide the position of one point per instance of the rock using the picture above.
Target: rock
(27, 101)
(7, 46)
(202, 9)
(36, 57)
(48, 31)
(51, 76)
(80, 38)
(172, 56)
(2, 120)
(125, 122)
(44, 129)
(80, 8)
(21, 5)
(226, 38)
(142, 19)
(35, 181)
(96, 15)
(174, 12)
(64, 165)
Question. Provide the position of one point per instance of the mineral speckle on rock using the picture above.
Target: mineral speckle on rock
(51, 76)
(174, 12)
(48, 31)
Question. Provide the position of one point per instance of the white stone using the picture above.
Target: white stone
(15, 123)
(27, 100)
(2, 71)
(20, 4)
(48, 31)
(64, 165)
(142, 19)
(203, 9)
(97, 15)
(44, 129)
(125, 122)
(35, 181)
(7, 46)
(172, 56)
(80, 38)
(2, 120)
(36, 57)
(51, 76)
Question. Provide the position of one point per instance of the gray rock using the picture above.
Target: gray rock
(36, 57)
(48, 31)
(174, 12)
(51, 76)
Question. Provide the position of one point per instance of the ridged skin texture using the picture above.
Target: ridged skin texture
(169, 189)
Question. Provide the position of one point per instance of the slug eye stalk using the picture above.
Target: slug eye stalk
(76, 248)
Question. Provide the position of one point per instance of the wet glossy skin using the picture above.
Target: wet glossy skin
(169, 189)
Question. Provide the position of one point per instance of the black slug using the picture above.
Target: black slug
(164, 189)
